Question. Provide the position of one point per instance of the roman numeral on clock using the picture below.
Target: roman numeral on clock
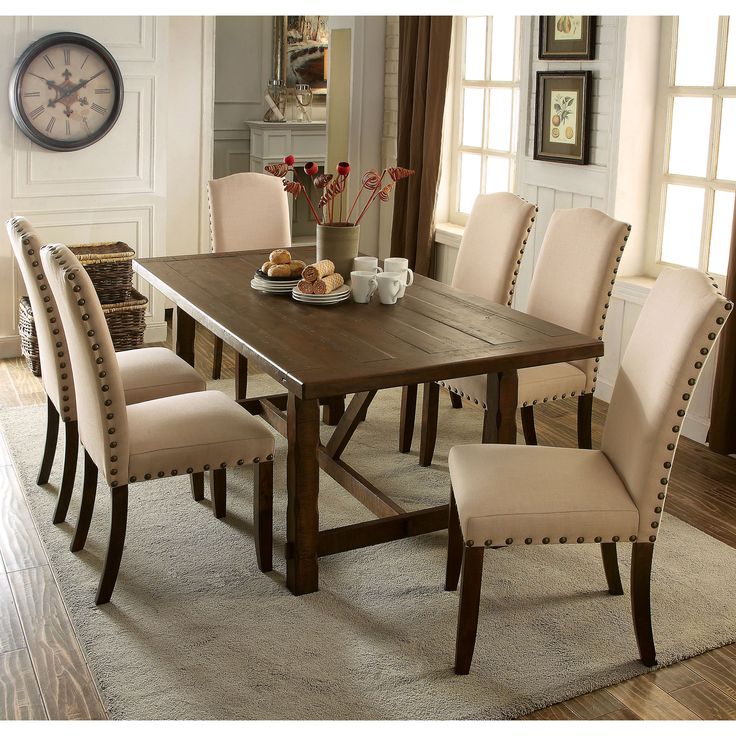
(50, 125)
(31, 94)
(84, 62)
(68, 127)
(35, 113)
(98, 108)
(67, 56)
(48, 61)
(103, 91)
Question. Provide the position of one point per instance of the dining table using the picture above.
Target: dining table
(322, 353)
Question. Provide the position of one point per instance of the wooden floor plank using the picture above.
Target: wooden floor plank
(620, 714)
(20, 546)
(707, 701)
(20, 698)
(557, 712)
(718, 667)
(11, 633)
(648, 702)
(593, 705)
(674, 677)
(65, 682)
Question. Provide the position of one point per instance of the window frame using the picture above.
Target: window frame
(666, 94)
(458, 85)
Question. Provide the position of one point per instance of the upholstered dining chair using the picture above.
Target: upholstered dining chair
(487, 265)
(248, 211)
(504, 495)
(163, 437)
(571, 286)
(147, 373)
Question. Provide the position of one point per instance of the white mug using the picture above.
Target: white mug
(400, 266)
(363, 285)
(389, 286)
(367, 263)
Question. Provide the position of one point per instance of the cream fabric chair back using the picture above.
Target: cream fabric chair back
(575, 272)
(490, 253)
(56, 372)
(671, 341)
(101, 410)
(247, 212)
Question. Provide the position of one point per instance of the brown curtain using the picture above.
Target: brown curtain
(722, 435)
(424, 57)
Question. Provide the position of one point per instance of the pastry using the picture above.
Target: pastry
(318, 270)
(266, 266)
(297, 267)
(328, 283)
(282, 269)
(305, 287)
(280, 255)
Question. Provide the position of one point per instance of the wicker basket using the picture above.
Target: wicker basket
(127, 321)
(28, 339)
(110, 266)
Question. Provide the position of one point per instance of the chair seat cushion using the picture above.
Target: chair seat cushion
(539, 383)
(170, 435)
(153, 373)
(531, 492)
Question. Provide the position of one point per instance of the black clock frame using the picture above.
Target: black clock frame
(20, 69)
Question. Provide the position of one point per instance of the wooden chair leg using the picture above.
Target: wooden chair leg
(527, 424)
(467, 617)
(71, 449)
(585, 421)
(217, 358)
(197, 483)
(241, 376)
(49, 449)
(641, 571)
(610, 565)
(263, 514)
(118, 525)
(408, 416)
(89, 492)
(455, 401)
(218, 488)
(430, 410)
(454, 547)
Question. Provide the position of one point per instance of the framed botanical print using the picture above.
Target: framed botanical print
(567, 37)
(562, 130)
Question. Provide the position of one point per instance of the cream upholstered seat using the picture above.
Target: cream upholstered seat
(571, 286)
(248, 211)
(188, 433)
(147, 373)
(505, 495)
(487, 265)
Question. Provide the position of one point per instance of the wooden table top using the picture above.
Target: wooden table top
(435, 332)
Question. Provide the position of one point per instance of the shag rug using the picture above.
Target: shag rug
(195, 631)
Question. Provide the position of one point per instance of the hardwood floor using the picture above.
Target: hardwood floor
(43, 673)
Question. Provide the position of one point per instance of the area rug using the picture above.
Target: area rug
(195, 631)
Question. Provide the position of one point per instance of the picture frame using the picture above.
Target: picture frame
(567, 37)
(300, 51)
(563, 115)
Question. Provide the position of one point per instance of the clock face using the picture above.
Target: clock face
(66, 92)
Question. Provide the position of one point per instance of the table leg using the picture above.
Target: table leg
(499, 420)
(241, 376)
(332, 410)
(408, 416)
(302, 479)
(185, 336)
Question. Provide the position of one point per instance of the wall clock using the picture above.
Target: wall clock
(66, 91)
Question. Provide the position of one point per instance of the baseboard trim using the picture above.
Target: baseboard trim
(10, 346)
(155, 332)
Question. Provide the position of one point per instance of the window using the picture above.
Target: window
(694, 188)
(485, 110)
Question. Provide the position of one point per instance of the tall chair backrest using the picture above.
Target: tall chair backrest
(247, 212)
(494, 239)
(575, 272)
(672, 339)
(101, 410)
(56, 371)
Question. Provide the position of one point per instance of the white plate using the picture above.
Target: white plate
(342, 292)
(269, 289)
(323, 303)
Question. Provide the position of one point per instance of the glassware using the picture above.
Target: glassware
(304, 95)
(275, 97)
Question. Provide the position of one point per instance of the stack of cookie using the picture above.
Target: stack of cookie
(279, 264)
(320, 278)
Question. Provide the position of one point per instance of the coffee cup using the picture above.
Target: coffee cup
(363, 285)
(367, 263)
(400, 266)
(389, 286)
